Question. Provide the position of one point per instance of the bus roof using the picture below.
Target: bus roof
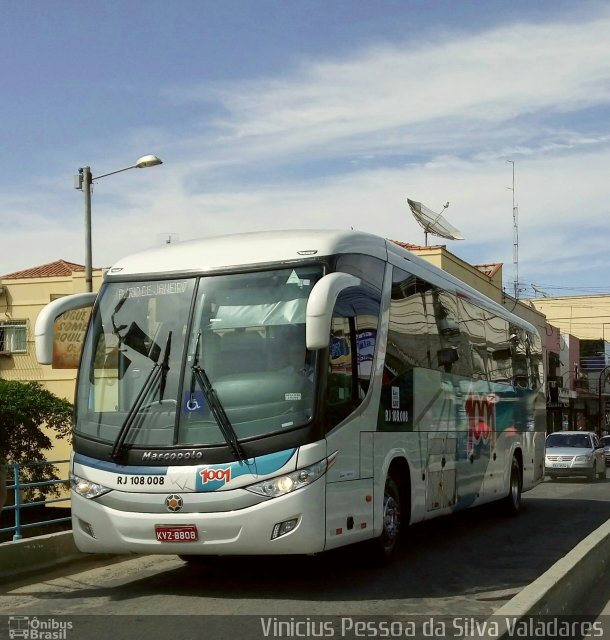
(232, 251)
(243, 249)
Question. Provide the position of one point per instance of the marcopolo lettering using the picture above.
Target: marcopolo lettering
(171, 456)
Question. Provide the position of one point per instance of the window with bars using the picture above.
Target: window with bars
(13, 336)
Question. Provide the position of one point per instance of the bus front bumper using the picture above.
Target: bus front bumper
(249, 531)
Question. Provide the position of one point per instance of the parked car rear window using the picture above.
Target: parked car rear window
(577, 440)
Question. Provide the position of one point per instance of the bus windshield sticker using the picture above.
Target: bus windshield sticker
(193, 402)
(293, 278)
(156, 289)
(395, 398)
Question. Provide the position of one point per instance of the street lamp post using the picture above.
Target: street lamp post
(83, 182)
(602, 416)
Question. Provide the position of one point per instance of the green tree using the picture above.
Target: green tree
(25, 407)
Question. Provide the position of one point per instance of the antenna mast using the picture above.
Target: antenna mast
(438, 217)
(515, 236)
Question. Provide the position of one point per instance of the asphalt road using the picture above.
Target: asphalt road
(468, 564)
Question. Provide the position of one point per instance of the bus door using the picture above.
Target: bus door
(347, 413)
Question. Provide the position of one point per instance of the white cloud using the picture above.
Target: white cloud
(432, 120)
(422, 94)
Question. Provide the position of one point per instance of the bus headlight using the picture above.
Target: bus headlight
(86, 488)
(281, 485)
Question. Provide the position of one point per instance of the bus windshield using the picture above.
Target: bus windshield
(198, 361)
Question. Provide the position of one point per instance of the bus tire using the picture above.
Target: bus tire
(512, 502)
(384, 546)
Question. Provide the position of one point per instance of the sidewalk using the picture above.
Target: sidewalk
(568, 581)
(31, 555)
(561, 590)
(566, 588)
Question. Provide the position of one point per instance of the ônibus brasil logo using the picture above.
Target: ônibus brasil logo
(34, 628)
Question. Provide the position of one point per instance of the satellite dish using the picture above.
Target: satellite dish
(432, 222)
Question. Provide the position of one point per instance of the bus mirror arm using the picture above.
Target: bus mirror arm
(43, 331)
(320, 307)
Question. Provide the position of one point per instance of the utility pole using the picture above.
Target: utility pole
(515, 236)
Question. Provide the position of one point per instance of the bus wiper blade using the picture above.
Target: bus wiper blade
(116, 330)
(195, 364)
(151, 380)
(165, 365)
(224, 424)
(158, 373)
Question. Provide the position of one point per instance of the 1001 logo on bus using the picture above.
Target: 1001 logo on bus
(481, 414)
(211, 475)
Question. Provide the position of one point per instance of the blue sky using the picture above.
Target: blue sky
(304, 114)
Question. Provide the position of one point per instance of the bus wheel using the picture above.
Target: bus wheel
(512, 502)
(385, 545)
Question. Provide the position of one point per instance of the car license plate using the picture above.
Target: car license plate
(560, 465)
(176, 533)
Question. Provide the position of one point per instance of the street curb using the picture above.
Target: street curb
(554, 593)
(560, 588)
(25, 557)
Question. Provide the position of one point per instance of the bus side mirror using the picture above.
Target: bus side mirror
(45, 322)
(320, 307)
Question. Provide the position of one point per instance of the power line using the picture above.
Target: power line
(573, 288)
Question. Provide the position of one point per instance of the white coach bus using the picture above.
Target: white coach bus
(291, 392)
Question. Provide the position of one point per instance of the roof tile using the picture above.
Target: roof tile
(489, 270)
(416, 247)
(49, 270)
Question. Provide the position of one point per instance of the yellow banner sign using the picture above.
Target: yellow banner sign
(69, 334)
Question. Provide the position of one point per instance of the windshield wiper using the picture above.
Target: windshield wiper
(224, 424)
(116, 330)
(156, 374)
(165, 365)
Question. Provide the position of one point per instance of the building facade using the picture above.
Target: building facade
(584, 369)
(23, 294)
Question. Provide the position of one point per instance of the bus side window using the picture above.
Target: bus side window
(520, 356)
(340, 367)
(534, 344)
(472, 323)
(351, 351)
(499, 349)
(448, 340)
